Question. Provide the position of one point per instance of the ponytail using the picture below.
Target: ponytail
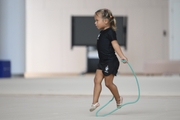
(113, 23)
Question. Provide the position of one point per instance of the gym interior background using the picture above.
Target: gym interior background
(36, 35)
(45, 75)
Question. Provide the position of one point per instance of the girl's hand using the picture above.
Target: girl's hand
(124, 58)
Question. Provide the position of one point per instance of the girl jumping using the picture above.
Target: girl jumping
(108, 64)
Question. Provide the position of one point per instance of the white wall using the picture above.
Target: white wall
(48, 33)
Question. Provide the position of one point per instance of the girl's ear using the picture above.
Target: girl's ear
(106, 20)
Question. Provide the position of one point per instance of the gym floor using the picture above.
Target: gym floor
(70, 97)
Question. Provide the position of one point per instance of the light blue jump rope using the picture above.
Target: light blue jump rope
(103, 115)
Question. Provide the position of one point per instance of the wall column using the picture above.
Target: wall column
(12, 34)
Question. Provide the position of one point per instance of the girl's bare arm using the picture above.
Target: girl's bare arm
(118, 50)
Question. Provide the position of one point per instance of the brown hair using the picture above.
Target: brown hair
(107, 14)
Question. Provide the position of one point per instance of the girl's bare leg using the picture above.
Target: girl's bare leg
(97, 85)
(112, 87)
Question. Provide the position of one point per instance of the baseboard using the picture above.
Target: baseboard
(49, 74)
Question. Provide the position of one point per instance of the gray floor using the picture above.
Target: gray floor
(69, 98)
(77, 108)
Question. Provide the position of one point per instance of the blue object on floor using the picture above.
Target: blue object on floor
(5, 68)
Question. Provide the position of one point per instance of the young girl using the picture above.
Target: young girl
(108, 65)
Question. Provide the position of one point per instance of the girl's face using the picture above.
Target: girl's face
(100, 23)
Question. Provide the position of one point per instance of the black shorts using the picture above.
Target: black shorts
(110, 67)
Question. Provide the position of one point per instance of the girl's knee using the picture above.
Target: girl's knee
(108, 84)
(97, 81)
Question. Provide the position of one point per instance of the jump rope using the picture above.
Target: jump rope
(138, 97)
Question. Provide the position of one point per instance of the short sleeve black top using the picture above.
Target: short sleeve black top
(104, 47)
